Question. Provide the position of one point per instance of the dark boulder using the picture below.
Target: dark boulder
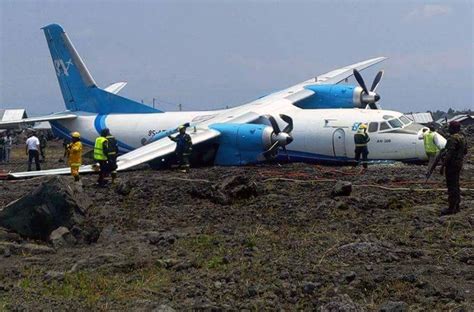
(341, 188)
(124, 188)
(56, 202)
(228, 191)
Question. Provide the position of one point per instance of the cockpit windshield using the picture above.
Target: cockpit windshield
(405, 120)
(395, 123)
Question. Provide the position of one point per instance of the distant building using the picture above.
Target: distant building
(12, 114)
(464, 119)
(421, 118)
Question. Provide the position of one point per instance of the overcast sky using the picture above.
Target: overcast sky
(210, 54)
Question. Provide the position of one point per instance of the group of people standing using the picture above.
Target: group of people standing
(105, 154)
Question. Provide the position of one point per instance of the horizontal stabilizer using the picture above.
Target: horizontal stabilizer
(115, 87)
(36, 119)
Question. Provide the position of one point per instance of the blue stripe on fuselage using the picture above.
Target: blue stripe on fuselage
(297, 156)
(65, 133)
(99, 125)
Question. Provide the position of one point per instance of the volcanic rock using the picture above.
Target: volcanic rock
(228, 191)
(392, 306)
(61, 237)
(341, 303)
(342, 188)
(56, 202)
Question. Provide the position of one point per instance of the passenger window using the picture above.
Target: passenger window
(384, 126)
(373, 126)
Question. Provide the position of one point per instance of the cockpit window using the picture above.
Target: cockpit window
(384, 126)
(373, 126)
(395, 123)
(405, 120)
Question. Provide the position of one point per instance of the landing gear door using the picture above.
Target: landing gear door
(339, 143)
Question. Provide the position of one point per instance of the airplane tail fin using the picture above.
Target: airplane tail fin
(79, 90)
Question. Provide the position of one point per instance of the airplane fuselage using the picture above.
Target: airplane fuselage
(319, 134)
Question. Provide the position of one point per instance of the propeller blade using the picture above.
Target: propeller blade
(373, 106)
(377, 79)
(271, 151)
(276, 128)
(289, 121)
(360, 80)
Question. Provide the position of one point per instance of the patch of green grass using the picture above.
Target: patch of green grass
(215, 262)
(91, 287)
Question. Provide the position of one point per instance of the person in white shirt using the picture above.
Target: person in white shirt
(32, 150)
(8, 140)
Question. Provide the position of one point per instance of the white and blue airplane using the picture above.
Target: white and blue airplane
(313, 121)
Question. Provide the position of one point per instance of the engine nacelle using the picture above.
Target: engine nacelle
(242, 144)
(332, 96)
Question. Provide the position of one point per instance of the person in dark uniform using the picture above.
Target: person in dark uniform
(112, 153)
(455, 150)
(183, 149)
(43, 145)
(361, 138)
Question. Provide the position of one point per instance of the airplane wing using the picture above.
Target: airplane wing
(338, 75)
(115, 87)
(23, 121)
(160, 148)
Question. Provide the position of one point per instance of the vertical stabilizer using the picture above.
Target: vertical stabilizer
(78, 88)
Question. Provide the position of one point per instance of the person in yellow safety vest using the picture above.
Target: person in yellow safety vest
(74, 154)
(361, 138)
(100, 155)
(431, 149)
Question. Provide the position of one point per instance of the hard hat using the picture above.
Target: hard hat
(76, 135)
(181, 127)
(363, 126)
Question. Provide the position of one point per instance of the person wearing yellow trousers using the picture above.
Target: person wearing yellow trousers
(74, 153)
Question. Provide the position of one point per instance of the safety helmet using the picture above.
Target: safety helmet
(181, 127)
(76, 135)
(363, 126)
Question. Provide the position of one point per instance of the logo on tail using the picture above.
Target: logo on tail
(61, 67)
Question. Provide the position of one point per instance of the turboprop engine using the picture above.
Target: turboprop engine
(342, 96)
(242, 144)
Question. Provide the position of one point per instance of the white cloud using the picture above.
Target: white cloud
(429, 11)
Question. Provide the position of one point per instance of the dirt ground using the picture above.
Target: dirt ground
(170, 243)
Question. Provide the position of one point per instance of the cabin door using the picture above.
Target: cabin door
(339, 143)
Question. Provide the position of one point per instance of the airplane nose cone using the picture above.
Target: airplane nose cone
(377, 97)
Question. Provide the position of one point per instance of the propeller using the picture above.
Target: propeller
(369, 97)
(279, 138)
